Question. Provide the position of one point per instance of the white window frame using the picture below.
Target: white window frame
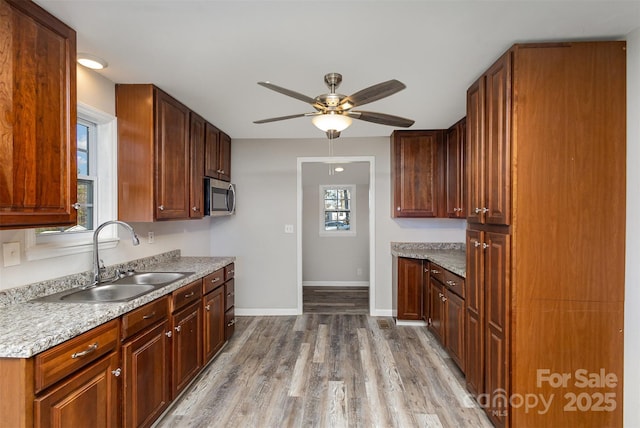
(56, 245)
(338, 233)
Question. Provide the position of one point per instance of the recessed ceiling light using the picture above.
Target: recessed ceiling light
(91, 61)
(339, 169)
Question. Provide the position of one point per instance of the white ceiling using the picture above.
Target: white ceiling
(210, 54)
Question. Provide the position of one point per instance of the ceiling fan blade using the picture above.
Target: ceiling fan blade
(381, 118)
(372, 93)
(291, 116)
(290, 93)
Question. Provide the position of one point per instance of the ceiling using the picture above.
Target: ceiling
(210, 54)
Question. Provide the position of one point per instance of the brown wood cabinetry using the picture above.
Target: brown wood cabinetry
(218, 154)
(146, 363)
(230, 293)
(153, 155)
(197, 147)
(454, 164)
(187, 346)
(213, 322)
(409, 289)
(447, 307)
(540, 294)
(416, 173)
(88, 398)
(37, 118)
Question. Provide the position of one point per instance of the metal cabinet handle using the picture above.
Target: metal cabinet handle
(440, 294)
(398, 209)
(168, 334)
(208, 307)
(451, 283)
(161, 207)
(444, 299)
(87, 351)
(435, 271)
(186, 296)
(216, 279)
(232, 322)
(76, 206)
(194, 209)
(476, 244)
(151, 315)
(116, 372)
(178, 328)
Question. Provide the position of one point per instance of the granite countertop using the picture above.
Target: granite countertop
(451, 256)
(30, 327)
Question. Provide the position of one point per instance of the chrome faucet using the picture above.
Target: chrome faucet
(96, 259)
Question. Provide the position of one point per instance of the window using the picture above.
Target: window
(337, 210)
(97, 174)
(86, 152)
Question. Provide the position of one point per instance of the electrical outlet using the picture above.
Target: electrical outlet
(151, 238)
(288, 228)
(11, 253)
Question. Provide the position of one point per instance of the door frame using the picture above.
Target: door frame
(372, 223)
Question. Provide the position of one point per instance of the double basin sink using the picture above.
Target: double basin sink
(121, 289)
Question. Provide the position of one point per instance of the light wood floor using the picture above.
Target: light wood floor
(335, 300)
(317, 370)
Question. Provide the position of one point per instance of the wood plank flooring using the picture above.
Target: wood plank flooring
(326, 370)
(335, 300)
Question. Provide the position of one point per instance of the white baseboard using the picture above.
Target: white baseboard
(335, 283)
(411, 323)
(257, 312)
(382, 313)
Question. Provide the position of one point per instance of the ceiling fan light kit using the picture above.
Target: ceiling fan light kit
(333, 111)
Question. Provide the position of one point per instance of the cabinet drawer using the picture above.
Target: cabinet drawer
(229, 293)
(64, 359)
(437, 272)
(187, 294)
(454, 283)
(143, 317)
(229, 271)
(213, 281)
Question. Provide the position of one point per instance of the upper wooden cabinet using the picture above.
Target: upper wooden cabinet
(217, 154)
(153, 155)
(488, 153)
(455, 198)
(37, 118)
(197, 143)
(416, 173)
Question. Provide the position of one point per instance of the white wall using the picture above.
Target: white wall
(191, 237)
(334, 258)
(632, 286)
(265, 173)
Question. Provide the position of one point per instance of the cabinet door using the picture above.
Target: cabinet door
(498, 142)
(38, 178)
(426, 314)
(196, 143)
(475, 151)
(474, 328)
(417, 173)
(187, 346)
(146, 376)
(454, 328)
(224, 154)
(172, 158)
(496, 303)
(229, 323)
(213, 315)
(454, 171)
(212, 149)
(89, 398)
(409, 289)
(436, 294)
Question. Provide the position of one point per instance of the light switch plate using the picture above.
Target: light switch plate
(11, 253)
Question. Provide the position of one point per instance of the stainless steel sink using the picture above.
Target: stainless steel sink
(122, 289)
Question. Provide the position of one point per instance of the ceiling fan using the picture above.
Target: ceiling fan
(334, 111)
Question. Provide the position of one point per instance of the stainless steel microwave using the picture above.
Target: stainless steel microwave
(219, 197)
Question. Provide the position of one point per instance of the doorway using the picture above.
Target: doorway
(336, 240)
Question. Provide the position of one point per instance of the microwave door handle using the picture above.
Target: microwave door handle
(232, 191)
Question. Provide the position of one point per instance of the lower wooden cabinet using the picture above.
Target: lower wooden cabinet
(454, 331)
(146, 367)
(409, 289)
(186, 346)
(436, 309)
(88, 398)
(213, 323)
(229, 303)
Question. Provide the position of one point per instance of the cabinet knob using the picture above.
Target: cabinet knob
(208, 307)
(161, 207)
(168, 334)
(398, 209)
(476, 244)
(444, 299)
(117, 372)
(194, 209)
(451, 283)
(485, 245)
(435, 271)
(178, 328)
(76, 206)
